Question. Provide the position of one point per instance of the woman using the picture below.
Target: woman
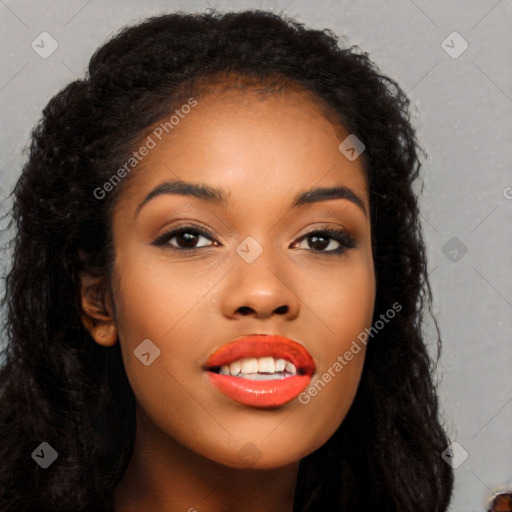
(219, 282)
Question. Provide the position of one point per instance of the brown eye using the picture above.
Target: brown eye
(327, 241)
(321, 242)
(185, 238)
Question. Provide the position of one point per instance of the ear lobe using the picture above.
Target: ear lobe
(97, 316)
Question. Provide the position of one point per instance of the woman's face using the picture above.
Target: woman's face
(248, 262)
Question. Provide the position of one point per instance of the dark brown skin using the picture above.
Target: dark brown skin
(262, 151)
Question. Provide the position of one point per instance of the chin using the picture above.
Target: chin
(265, 456)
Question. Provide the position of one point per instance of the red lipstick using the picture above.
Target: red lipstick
(262, 370)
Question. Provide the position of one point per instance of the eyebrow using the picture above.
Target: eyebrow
(324, 194)
(183, 188)
(218, 196)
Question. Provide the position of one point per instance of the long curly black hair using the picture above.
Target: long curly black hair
(59, 386)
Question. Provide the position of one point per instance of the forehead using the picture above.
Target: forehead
(240, 139)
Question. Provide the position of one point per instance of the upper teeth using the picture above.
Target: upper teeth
(254, 365)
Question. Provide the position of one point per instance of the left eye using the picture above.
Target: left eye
(327, 241)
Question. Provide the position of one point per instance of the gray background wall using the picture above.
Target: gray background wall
(462, 111)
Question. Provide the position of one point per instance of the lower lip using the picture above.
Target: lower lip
(262, 394)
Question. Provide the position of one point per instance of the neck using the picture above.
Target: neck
(166, 476)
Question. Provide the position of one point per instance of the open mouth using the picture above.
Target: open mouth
(261, 368)
(261, 371)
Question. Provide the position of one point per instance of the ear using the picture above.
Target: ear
(97, 310)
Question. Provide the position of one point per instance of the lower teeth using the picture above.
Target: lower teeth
(264, 376)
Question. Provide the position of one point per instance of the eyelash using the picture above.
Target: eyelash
(345, 240)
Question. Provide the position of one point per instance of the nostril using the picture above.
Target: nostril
(246, 310)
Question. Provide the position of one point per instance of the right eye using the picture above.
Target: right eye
(185, 238)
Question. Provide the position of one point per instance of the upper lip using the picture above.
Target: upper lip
(263, 345)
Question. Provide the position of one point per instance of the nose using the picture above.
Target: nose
(260, 289)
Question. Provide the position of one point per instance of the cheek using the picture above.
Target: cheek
(342, 300)
(345, 305)
(163, 306)
(156, 298)
(159, 303)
